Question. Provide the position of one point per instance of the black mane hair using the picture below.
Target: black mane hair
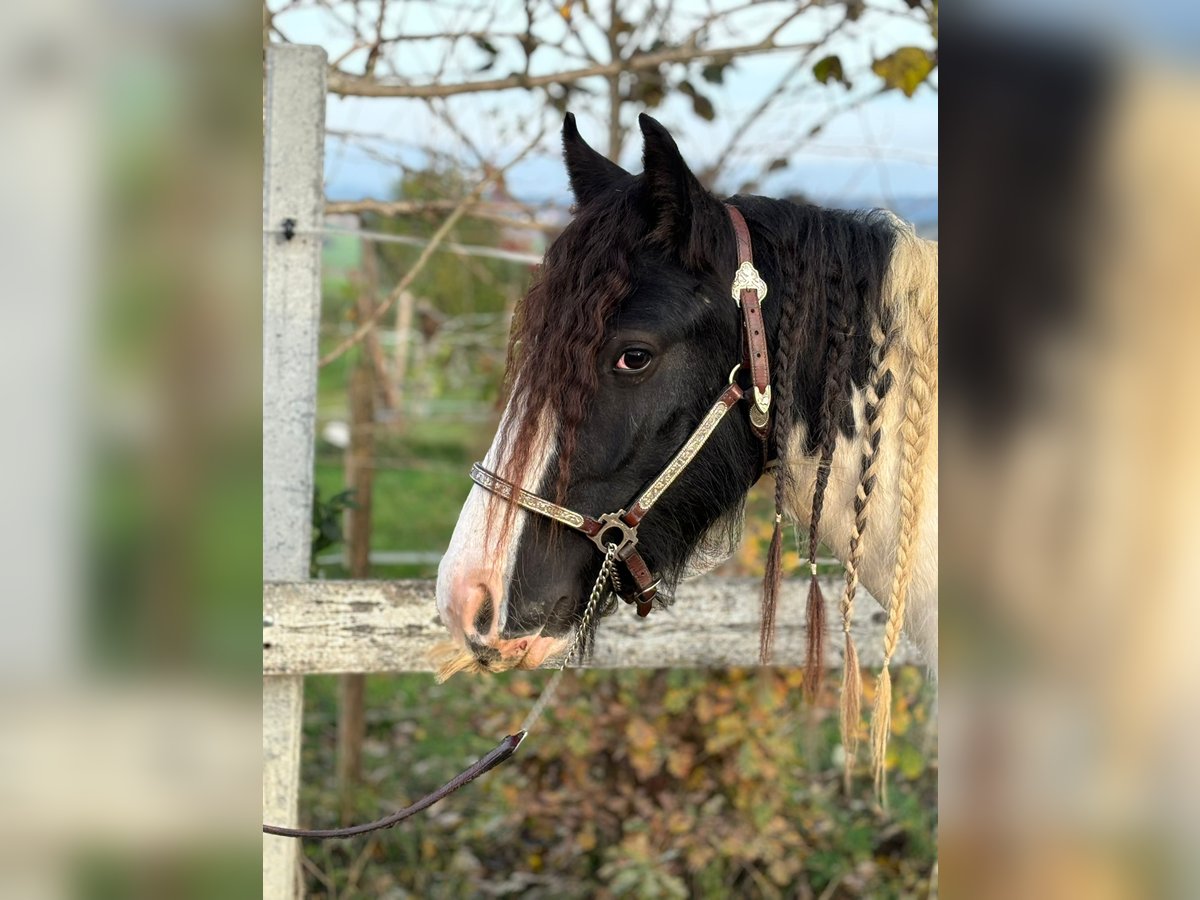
(825, 270)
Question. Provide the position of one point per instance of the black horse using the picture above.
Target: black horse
(616, 354)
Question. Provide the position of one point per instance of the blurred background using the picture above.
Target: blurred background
(130, 165)
(443, 132)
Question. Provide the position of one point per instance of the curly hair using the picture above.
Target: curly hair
(586, 274)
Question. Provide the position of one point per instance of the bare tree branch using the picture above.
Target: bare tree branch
(353, 86)
(743, 130)
(441, 110)
(377, 45)
(615, 133)
(368, 295)
(417, 207)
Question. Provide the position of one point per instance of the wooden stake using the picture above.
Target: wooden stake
(360, 473)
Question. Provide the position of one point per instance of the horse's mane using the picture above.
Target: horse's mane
(588, 270)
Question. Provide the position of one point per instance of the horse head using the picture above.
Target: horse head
(616, 353)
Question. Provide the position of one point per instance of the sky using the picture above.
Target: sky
(885, 149)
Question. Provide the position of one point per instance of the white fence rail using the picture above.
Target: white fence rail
(319, 627)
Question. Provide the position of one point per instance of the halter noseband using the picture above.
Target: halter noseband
(621, 527)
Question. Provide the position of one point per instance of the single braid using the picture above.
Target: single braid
(772, 577)
(784, 379)
(876, 390)
(915, 429)
(838, 363)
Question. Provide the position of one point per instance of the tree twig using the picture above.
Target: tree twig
(484, 212)
(744, 128)
(353, 86)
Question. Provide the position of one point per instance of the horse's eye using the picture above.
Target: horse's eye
(634, 359)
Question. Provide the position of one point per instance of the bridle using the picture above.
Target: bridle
(620, 528)
(615, 534)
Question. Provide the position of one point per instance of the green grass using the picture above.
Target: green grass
(420, 485)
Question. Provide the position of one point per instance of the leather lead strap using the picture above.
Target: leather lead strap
(750, 291)
(647, 586)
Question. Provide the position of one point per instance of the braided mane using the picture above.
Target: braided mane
(859, 315)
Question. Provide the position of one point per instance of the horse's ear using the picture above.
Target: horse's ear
(684, 216)
(590, 173)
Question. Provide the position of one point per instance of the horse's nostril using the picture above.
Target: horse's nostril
(482, 623)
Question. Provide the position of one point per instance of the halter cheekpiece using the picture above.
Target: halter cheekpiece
(620, 528)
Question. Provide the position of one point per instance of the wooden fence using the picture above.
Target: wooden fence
(324, 627)
(312, 627)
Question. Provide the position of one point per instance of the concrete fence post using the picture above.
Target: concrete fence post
(293, 202)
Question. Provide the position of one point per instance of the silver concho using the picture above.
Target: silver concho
(762, 399)
(746, 278)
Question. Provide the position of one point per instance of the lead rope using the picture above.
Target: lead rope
(505, 749)
(607, 572)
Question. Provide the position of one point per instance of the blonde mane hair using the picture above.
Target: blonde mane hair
(907, 352)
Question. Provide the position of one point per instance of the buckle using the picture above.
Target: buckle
(650, 591)
(645, 599)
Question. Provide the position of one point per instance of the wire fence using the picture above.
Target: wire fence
(517, 256)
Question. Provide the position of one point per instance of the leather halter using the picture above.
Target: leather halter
(621, 527)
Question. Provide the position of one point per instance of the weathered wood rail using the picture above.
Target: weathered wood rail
(318, 627)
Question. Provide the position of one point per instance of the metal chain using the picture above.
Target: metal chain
(589, 613)
(616, 580)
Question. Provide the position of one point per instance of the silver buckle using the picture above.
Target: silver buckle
(746, 278)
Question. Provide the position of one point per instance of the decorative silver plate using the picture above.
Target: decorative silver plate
(746, 278)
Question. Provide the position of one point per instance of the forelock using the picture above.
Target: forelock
(560, 325)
